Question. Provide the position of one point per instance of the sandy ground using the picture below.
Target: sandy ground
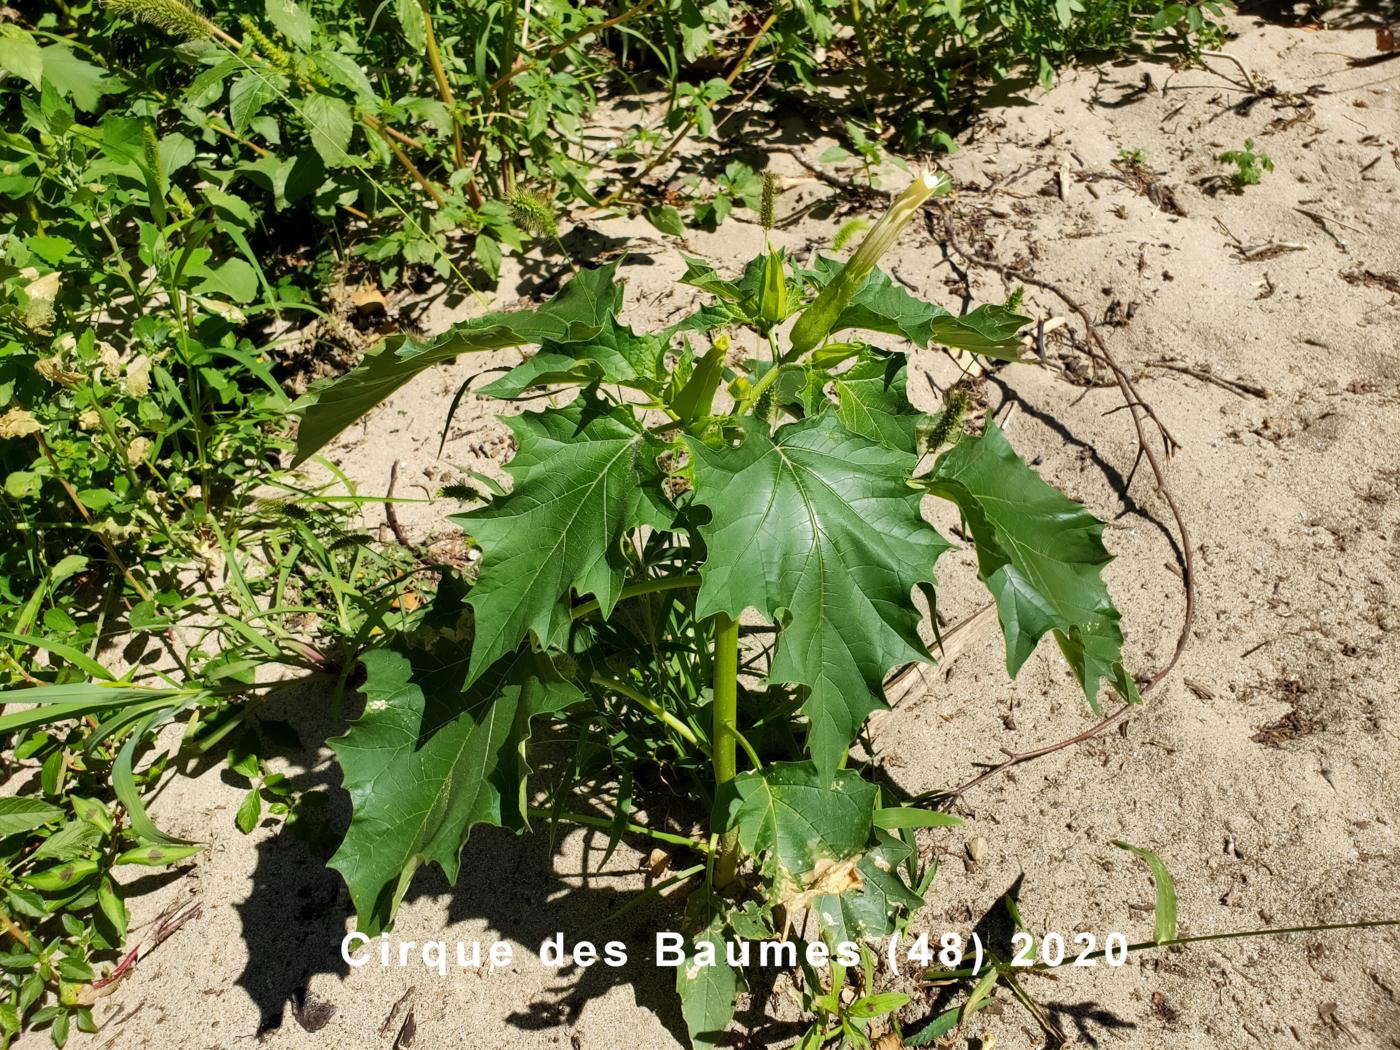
(1263, 771)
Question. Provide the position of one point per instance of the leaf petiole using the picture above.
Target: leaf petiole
(634, 590)
(651, 706)
(607, 825)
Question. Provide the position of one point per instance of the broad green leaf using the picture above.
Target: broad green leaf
(409, 14)
(666, 219)
(817, 529)
(1164, 917)
(25, 814)
(1042, 557)
(291, 21)
(154, 856)
(82, 81)
(345, 71)
(60, 877)
(895, 817)
(248, 95)
(20, 54)
(871, 402)
(234, 279)
(427, 761)
(249, 813)
(800, 821)
(577, 474)
(707, 993)
(543, 369)
(878, 1005)
(72, 840)
(883, 306)
(579, 312)
(615, 355)
(873, 908)
(700, 274)
(331, 124)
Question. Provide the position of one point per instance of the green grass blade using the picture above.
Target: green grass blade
(1164, 924)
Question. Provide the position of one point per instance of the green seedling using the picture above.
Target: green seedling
(706, 564)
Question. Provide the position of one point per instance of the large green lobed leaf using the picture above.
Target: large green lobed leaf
(1042, 557)
(872, 401)
(880, 305)
(796, 817)
(579, 312)
(817, 529)
(871, 910)
(616, 354)
(577, 477)
(427, 761)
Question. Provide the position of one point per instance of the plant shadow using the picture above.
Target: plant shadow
(298, 909)
(995, 929)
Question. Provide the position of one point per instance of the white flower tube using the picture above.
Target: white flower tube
(821, 314)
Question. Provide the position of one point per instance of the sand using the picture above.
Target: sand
(1263, 771)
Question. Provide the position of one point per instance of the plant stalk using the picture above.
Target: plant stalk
(651, 707)
(724, 738)
(443, 85)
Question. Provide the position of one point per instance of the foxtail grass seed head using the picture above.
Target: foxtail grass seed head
(769, 200)
(534, 212)
(816, 321)
(275, 55)
(955, 404)
(172, 16)
(150, 148)
(848, 232)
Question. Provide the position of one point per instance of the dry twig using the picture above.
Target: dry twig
(1142, 414)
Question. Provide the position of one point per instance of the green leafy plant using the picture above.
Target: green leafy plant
(838, 1017)
(993, 972)
(139, 418)
(1249, 166)
(61, 911)
(687, 504)
(923, 67)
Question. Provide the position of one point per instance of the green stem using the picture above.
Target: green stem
(1233, 935)
(662, 583)
(651, 706)
(726, 731)
(761, 387)
(692, 119)
(600, 822)
(740, 739)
